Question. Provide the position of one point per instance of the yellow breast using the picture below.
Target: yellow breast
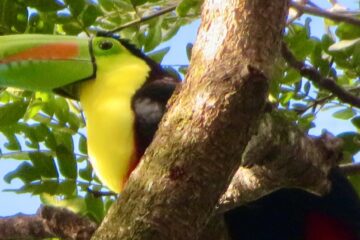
(110, 121)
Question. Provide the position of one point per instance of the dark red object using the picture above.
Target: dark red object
(293, 214)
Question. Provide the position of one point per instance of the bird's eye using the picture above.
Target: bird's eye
(105, 45)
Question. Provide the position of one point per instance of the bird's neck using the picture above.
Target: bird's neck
(110, 120)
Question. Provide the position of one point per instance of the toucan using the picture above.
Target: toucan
(124, 94)
(122, 91)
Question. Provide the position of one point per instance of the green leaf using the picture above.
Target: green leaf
(183, 70)
(347, 31)
(89, 15)
(107, 5)
(136, 3)
(306, 122)
(45, 186)
(344, 114)
(13, 142)
(83, 145)
(25, 171)
(159, 54)
(14, 17)
(61, 110)
(344, 44)
(299, 41)
(33, 109)
(29, 132)
(356, 122)
(108, 203)
(351, 142)
(74, 121)
(95, 207)
(64, 138)
(286, 97)
(319, 60)
(44, 164)
(171, 30)
(356, 57)
(41, 131)
(307, 88)
(154, 36)
(172, 72)
(15, 156)
(67, 162)
(46, 5)
(291, 76)
(87, 172)
(50, 141)
(67, 188)
(187, 5)
(75, 7)
(72, 28)
(355, 181)
(12, 112)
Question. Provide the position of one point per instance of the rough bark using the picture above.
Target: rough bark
(189, 164)
(49, 222)
(282, 156)
(216, 229)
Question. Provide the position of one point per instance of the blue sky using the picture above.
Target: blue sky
(11, 203)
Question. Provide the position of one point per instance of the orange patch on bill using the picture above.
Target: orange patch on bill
(51, 51)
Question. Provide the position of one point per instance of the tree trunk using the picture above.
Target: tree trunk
(211, 118)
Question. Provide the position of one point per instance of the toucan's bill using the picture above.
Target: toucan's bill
(44, 62)
(102, 73)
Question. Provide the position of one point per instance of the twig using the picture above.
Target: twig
(143, 19)
(323, 13)
(311, 4)
(100, 193)
(314, 75)
(350, 168)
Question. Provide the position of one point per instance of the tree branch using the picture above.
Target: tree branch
(49, 222)
(285, 158)
(350, 168)
(323, 13)
(315, 76)
(210, 120)
(144, 19)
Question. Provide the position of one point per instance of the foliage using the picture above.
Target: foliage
(46, 133)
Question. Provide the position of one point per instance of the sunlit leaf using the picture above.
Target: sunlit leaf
(344, 114)
(343, 44)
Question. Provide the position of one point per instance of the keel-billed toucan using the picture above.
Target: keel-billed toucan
(123, 94)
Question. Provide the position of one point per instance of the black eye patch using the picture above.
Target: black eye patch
(106, 45)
